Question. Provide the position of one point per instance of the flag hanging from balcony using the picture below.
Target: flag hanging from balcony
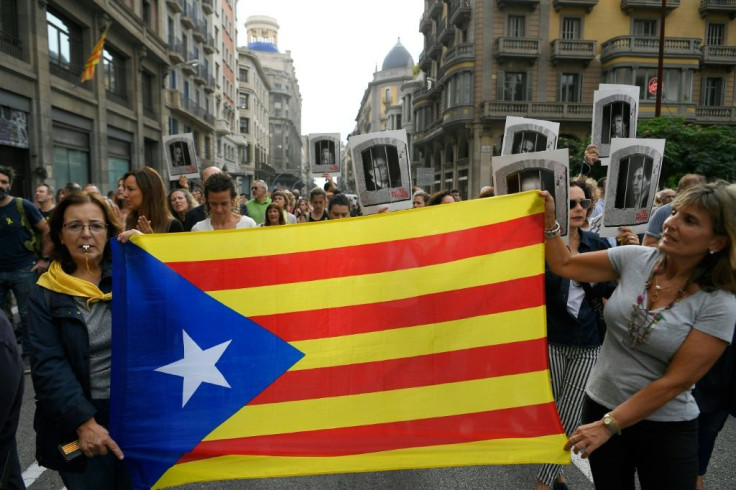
(94, 58)
(412, 339)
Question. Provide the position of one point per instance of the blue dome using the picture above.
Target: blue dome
(260, 46)
(398, 57)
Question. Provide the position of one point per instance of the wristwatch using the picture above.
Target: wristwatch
(611, 424)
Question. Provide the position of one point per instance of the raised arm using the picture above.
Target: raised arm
(587, 267)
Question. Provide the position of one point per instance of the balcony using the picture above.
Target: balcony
(435, 48)
(176, 52)
(425, 24)
(209, 85)
(173, 99)
(188, 68)
(568, 111)
(586, 4)
(460, 12)
(222, 127)
(715, 114)
(208, 46)
(447, 34)
(426, 93)
(208, 6)
(425, 62)
(459, 53)
(629, 6)
(198, 33)
(708, 7)
(174, 6)
(187, 15)
(11, 45)
(519, 48)
(530, 4)
(674, 47)
(434, 8)
(719, 55)
(460, 114)
(572, 50)
(200, 75)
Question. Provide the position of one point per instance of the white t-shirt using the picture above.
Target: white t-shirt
(206, 225)
(623, 370)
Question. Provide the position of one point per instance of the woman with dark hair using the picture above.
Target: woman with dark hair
(70, 322)
(145, 196)
(440, 197)
(181, 201)
(668, 320)
(221, 203)
(274, 215)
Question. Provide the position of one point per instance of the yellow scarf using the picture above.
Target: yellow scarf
(59, 281)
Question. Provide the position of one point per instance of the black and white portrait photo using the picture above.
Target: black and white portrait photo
(615, 112)
(522, 135)
(634, 178)
(382, 170)
(633, 173)
(546, 171)
(180, 156)
(324, 154)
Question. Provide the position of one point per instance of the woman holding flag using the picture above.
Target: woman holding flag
(668, 320)
(70, 319)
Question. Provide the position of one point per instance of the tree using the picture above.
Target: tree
(691, 148)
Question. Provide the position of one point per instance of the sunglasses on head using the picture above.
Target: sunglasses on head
(584, 203)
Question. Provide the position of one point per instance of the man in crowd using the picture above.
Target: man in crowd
(44, 197)
(198, 214)
(19, 268)
(656, 222)
(260, 201)
(318, 200)
(92, 189)
(11, 398)
(68, 189)
(339, 206)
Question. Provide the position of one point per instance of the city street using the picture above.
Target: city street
(721, 475)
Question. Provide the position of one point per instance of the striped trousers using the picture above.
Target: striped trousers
(569, 368)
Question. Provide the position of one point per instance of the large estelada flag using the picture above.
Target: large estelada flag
(412, 339)
(94, 58)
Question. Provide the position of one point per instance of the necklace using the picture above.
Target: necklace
(642, 321)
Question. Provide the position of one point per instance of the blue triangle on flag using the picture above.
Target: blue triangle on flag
(152, 308)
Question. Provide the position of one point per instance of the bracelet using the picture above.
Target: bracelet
(553, 232)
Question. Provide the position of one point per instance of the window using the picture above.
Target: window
(571, 28)
(677, 84)
(713, 91)
(114, 72)
(244, 101)
(645, 28)
(245, 125)
(147, 93)
(458, 91)
(570, 87)
(714, 34)
(244, 75)
(515, 86)
(65, 43)
(516, 26)
(9, 22)
(173, 126)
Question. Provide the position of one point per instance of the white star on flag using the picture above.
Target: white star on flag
(197, 367)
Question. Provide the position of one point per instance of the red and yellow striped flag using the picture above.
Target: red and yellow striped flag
(421, 336)
(94, 58)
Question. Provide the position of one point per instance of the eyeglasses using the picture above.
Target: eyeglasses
(584, 203)
(76, 227)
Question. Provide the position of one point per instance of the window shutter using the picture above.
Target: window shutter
(529, 84)
(501, 78)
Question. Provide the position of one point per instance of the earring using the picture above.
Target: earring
(712, 251)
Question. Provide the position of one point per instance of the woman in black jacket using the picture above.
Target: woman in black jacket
(70, 318)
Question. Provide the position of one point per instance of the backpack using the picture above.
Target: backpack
(35, 244)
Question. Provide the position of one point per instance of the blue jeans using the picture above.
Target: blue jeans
(20, 281)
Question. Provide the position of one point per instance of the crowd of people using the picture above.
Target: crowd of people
(630, 328)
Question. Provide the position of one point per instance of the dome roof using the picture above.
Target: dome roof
(398, 57)
(261, 46)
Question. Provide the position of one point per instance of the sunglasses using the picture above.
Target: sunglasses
(584, 203)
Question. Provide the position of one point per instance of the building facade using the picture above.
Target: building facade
(284, 166)
(56, 129)
(543, 59)
(253, 109)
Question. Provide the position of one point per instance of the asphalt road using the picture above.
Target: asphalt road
(721, 473)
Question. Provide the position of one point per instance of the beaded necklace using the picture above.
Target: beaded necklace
(642, 321)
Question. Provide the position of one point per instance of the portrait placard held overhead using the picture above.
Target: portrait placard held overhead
(382, 170)
(180, 156)
(324, 154)
(615, 112)
(522, 135)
